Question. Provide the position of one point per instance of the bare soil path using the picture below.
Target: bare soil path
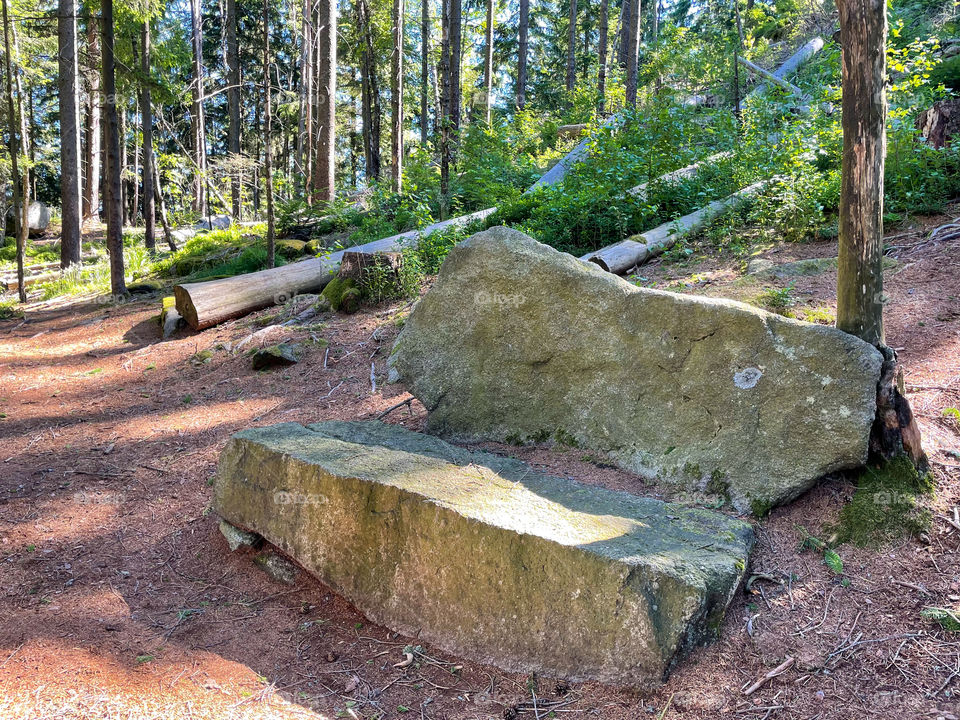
(120, 598)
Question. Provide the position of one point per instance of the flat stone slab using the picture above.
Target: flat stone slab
(518, 342)
(484, 557)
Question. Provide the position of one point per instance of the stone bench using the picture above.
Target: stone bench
(483, 557)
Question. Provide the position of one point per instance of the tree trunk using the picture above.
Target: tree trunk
(91, 162)
(371, 95)
(268, 136)
(122, 132)
(626, 28)
(197, 121)
(14, 154)
(863, 33)
(524, 32)
(456, 49)
(424, 72)
(324, 180)
(70, 209)
(445, 111)
(572, 47)
(488, 63)
(162, 209)
(114, 196)
(233, 101)
(602, 59)
(633, 48)
(308, 56)
(134, 147)
(146, 109)
(396, 98)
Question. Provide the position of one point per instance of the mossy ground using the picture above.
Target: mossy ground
(887, 504)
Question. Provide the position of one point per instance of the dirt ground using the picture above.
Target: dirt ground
(120, 598)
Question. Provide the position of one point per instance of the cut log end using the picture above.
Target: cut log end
(186, 308)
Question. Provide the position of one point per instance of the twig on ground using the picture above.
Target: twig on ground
(918, 588)
(408, 402)
(776, 672)
(666, 707)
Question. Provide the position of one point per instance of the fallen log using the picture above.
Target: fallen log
(581, 152)
(12, 284)
(640, 191)
(205, 304)
(780, 82)
(637, 249)
(578, 154)
(569, 131)
(792, 63)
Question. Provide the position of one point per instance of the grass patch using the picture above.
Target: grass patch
(886, 505)
(218, 253)
(33, 254)
(776, 300)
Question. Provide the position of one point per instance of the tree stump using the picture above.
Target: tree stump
(940, 123)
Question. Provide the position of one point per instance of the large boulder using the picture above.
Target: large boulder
(516, 341)
(38, 217)
(213, 222)
(484, 557)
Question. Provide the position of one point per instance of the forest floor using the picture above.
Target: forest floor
(120, 598)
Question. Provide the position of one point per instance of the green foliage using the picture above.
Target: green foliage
(772, 20)
(887, 504)
(830, 557)
(9, 309)
(777, 300)
(218, 253)
(324, 218)
(32, 252)
(946, 618)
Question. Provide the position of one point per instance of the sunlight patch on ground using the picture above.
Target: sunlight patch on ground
(90, 685)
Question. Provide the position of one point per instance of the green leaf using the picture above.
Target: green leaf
(833, 561)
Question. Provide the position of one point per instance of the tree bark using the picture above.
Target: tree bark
(456, 49)
(572, 47)
(70, 207)
(633, 48)
(324, 180)
(305, 140)
(488, 63)
(268, 136)
(424, 72)
(863, 33)
(396, 98)
(371, 95)
(445, 92)
(162, 209)
(197, 122)
(14, 155)
(524, 32)
(626, 28)
(233, 101)
(114, 196)
(602, 54)
(146, 110)
(93, 132)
